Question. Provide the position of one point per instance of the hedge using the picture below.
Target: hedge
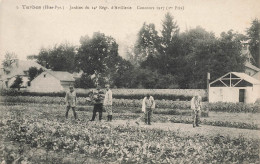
(217, 107)
(116, 95)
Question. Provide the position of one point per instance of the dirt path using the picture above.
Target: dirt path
(188, 129)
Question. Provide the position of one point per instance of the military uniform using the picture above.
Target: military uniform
(108, 104)
(98, 104)
(195, 106)
(148, 107)
(70, 99)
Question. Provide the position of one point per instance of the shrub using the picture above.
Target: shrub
(232, 107)
(137, 103)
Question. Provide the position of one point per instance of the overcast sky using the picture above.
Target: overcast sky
(26, 31)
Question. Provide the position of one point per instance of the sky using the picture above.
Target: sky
(26, 26)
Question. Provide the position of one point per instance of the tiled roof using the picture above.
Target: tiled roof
(62, 76)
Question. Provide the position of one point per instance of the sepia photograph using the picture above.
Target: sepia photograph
(129, 81)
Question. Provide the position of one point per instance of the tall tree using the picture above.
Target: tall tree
(170, 29)
(253, 34)
(196, 47)
(167, 48)
(169, 44)
(147, 42)
(97, 55)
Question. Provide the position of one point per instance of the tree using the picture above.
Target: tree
(44, 58)
(166, 46)
(9, 59)
(196, 47)
(59, 58)
(227, 58)
(33, 72)
(84, 81)
(147, 42)
(169, 45)
(123, 74)
(32, 57)
(169, 31)
(254, 37)
(131, 56)
(201, 52)
(17, 83)
(146, 78)
(98, 56)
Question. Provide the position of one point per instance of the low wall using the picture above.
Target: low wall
(184, 92)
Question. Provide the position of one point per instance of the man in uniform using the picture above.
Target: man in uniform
(147, 107)
(108, 103)
(195, 106)
(71, 100)
(98, 104)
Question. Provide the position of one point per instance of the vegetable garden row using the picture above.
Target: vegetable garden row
(40, 135)
(218, 107)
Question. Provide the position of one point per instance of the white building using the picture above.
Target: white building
(17, 68)
(234, 87)
(52, 81)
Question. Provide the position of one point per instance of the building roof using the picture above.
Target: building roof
(249, 65)
(246, 77)
(62, 75)
(239, 76)
(257, 75)
(19, 67)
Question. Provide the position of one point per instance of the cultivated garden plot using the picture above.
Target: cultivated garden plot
(38, 133)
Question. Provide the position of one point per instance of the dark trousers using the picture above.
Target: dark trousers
(74, 112)
(196, 117)
(97, 108)
(148, 114)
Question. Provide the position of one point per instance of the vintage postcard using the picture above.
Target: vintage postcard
(129, 81)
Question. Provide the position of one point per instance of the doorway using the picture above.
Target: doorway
(241, 95)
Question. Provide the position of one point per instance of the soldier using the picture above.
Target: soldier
(147, 107)
(108, 103)
(195, 106)
(71, 100)
(98, 104)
